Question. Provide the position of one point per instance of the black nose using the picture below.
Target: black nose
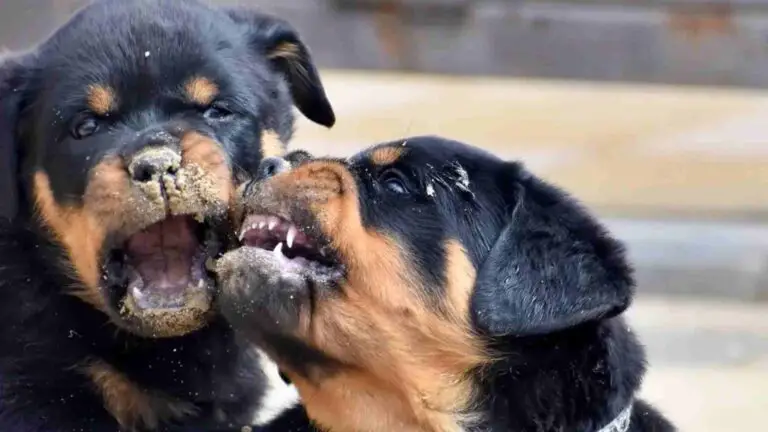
(272, 166)
(150, 164)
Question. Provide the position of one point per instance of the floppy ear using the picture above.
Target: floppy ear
(12, 86)
(552, 267)
(279, 42)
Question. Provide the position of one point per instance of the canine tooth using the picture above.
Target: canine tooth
(292, 231)
(200, 284)
(137, 294)
(272, 223)
(278, 249)
(210, 264)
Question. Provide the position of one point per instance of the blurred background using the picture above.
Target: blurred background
(653, 112)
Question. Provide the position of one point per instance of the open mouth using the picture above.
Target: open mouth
(291, 246)
(166, 265)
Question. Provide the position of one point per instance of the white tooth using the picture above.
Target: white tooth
(200, 284)
(242, 234)
(262, 224)
(137, 294)
(253, 226)
(272, 223)
(278, 249)
(292, 231)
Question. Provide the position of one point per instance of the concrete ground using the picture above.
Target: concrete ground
(679, 174)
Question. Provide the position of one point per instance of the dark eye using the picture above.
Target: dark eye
(217, 112)
(394, 182)
(84, 127)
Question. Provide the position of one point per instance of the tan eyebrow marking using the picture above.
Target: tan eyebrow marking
(200, 90)
(386, 155)
(101, 99)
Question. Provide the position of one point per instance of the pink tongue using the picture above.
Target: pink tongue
(163, 254)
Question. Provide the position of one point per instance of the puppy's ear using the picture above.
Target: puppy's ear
(552, 267)
(12, 87)
(280, 43)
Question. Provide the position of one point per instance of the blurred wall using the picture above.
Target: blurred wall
(25, 22)
(715, 42)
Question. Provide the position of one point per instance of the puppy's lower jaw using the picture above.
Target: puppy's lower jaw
(157, 279)
(268, 283)
(262, 291)
(168, 260)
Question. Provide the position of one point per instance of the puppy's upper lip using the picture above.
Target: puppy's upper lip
(271, 232)
(263, 222)
(258, 225)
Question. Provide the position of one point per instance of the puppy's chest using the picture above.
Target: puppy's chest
(352, 407)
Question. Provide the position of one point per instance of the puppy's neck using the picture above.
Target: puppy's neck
(402, 366)
(580, 379)
(353, 401)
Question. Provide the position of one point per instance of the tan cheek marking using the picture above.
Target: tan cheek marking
(78, 232)
(460, 280)
(201, 91)
(101, 99)
(207, 156)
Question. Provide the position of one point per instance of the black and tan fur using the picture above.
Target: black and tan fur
(459, 293)
(122, 140)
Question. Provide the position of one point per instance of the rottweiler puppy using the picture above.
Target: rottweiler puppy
(122, 138)
(426, 285)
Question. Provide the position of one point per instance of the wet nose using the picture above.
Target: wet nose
(272, 166)
(150, 164)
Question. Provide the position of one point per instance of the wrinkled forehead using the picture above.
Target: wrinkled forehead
(138, 79)
(138, 54)
(461, 190)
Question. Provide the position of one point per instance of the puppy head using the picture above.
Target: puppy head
(380, 282)
(125, 133)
